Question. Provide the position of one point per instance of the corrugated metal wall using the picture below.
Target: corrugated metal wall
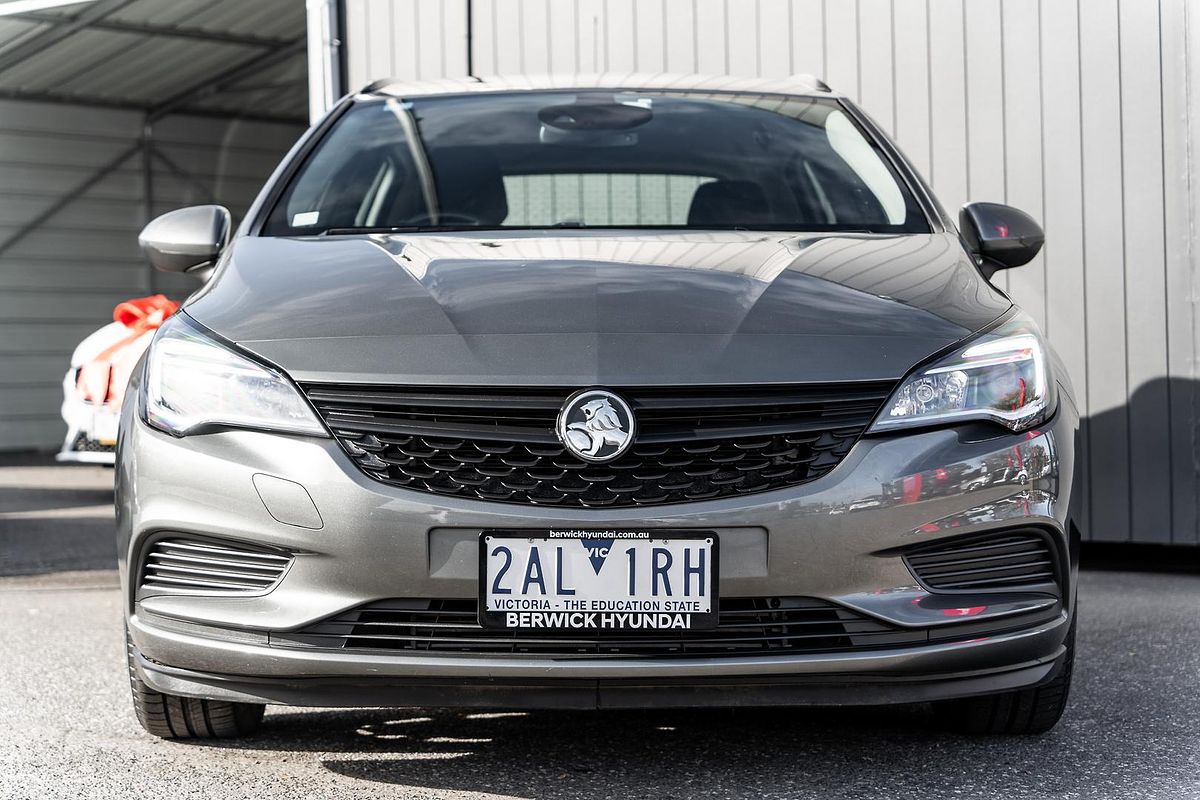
(61, 281)
(1081, 113)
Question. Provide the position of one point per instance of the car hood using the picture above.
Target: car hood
(587, 307)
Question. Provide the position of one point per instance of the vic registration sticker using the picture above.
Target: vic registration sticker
(611, 580)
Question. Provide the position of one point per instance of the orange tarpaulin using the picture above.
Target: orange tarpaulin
(103, 379)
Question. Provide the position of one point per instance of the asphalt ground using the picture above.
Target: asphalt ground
(67, 730)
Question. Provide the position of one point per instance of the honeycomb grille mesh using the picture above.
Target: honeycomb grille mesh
(691, 445)
(82, 444)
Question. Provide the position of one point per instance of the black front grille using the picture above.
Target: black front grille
(1003, 560)
(692, 444)
(747, 626)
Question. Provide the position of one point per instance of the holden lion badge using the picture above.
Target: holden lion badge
(596, 425)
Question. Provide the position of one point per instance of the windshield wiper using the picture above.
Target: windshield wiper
(576, 225)
(406, 229)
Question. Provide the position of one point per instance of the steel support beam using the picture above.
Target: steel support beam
(230, 76)
(151, 29)
(92, 102)
(179, 172)
(263, 87)
(55, 34)
(69, 197)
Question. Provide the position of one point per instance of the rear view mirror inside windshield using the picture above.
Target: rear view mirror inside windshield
(593, 121)
(590, 113)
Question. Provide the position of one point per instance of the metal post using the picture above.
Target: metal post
(148, 191)
(326, 80)
(470, 38)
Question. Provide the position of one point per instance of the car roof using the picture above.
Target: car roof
(800, 85)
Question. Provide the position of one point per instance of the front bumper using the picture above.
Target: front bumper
(357, 541)
(895, 678)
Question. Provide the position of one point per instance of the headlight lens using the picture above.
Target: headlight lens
(195, 385)
(1000, 376)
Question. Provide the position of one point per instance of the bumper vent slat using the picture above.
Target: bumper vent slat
(226, 569)
(995, 561)
(183, 565)
(1015, 566)
(747, 626)
(692, 444)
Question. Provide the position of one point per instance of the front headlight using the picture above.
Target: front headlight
(194, 384)
(1001, 376)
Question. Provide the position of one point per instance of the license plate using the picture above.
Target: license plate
(104, 427)
(614, 580)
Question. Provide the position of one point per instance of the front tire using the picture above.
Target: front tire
(169, 716)
(1026, 711)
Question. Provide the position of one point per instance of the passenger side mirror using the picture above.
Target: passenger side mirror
(1000, 236)
(186, 240)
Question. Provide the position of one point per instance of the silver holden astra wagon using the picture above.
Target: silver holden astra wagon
(597, 392)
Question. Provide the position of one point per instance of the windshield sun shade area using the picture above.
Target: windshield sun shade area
(595, 158)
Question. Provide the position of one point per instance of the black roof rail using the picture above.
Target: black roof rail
(376, 85)
(808, 77)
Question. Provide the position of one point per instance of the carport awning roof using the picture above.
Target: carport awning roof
(229, 57)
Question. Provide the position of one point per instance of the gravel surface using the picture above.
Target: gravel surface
(1132, 729)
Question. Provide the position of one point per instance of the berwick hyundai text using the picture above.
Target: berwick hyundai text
(597, 393)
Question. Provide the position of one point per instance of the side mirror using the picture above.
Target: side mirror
(186, 240)
(1001, 237)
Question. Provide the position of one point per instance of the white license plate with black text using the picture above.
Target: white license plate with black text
(614, 580)
(104, 426)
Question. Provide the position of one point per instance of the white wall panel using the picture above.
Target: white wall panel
(416, 39)
(560, 36)
(712, 45)
(1181, 207)
(534, 21)
(840, 45)
(680, 35)
(776, 26)
(1022, 132)
(1061, 183)
(806, 28)
(912, 82)
(1083, 114)
(1104, 267)
(508, 35)
(621, 41)
(948, 102)
(591, 31)
(743, 34)
(876, 67)
(1143, 271)
(985, 104)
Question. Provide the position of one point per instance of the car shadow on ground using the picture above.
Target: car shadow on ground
(704, 753)
(1129, 731)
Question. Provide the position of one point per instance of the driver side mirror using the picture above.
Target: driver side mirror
(186, 240)
(999, 236)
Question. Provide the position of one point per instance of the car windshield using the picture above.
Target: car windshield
(596, 159)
